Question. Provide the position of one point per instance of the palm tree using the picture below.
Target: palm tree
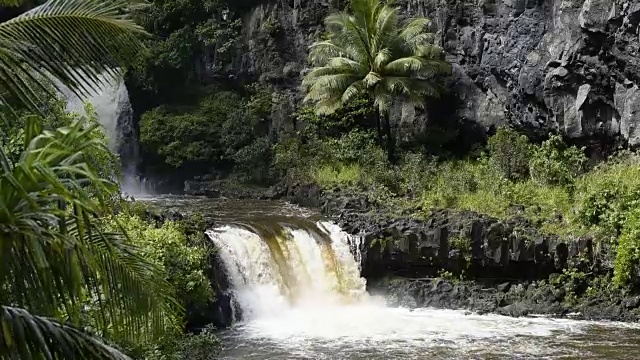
(62, 279)
(369, 52)
(56, 262)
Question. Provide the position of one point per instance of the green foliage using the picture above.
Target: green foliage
(510, 153)
(628, 250)
(210, 132)
(461, 243)
(168, 247)
(355, 114)
(202, 346)
(72, 40)
(104, 162)
(254, 159)
(368, 53)
(54, 250)
(348, 148)
(260, 104)
(223, 130)
(179, 249)
(556, 163)
(448, 275)
(289, 158)
(416, 172)
(390, 60)
(338, 175)
(187, 32)
(607, 194)
(353, 159)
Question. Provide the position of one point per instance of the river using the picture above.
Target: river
(298, 294)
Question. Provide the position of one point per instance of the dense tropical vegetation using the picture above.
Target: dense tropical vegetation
(74, 283)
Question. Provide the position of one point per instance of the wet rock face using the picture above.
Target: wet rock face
(461, 243)
(517, 299)
(569, 66)
(555, 65)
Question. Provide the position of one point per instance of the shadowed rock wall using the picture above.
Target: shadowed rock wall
(543, 65)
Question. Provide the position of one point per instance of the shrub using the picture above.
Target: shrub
(210, 132)
(254, 159)
(338, 175)
(291, 158)
(510, 153)
(357, 114)
(168, 246)
(415, 172)
(354, 146)
(608, 193)
(628, 250)
(454, 180)
(260, 104)
(462, 244)
(556, 163)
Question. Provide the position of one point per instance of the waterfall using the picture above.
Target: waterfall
(295, 289)
(274, 267)
(115, 114)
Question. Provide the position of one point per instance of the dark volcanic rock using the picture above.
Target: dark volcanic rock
(523, 299)
(566, 66)
(458, 242)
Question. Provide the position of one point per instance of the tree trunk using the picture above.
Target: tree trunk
(391, 154)
(379, 127)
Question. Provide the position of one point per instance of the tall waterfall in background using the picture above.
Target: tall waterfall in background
(115, 114)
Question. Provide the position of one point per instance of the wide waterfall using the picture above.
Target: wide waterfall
(275, 267)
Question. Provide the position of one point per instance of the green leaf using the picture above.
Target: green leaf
(73, 41)
(369, 53)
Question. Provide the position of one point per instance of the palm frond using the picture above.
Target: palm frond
(353, 91)
(385, 28)
(414, 28)
(329, 86)
(382, 99)
(323, 51)
(26, 336)
(365, 48)
(405, 65)
(73, 41)
(328, 105)
(371, 80)
(345, 31)
(11, 3)
(382, 58)
(56, 258)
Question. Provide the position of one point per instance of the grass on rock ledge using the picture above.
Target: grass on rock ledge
(548, 184)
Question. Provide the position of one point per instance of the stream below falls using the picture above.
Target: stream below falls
(297, 294)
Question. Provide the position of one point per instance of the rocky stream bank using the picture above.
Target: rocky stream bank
(464, 260)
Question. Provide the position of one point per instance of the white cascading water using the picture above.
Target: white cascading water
(302, 297)
(294, 270)
(113, 109)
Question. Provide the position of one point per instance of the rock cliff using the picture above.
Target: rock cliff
(543, 65)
